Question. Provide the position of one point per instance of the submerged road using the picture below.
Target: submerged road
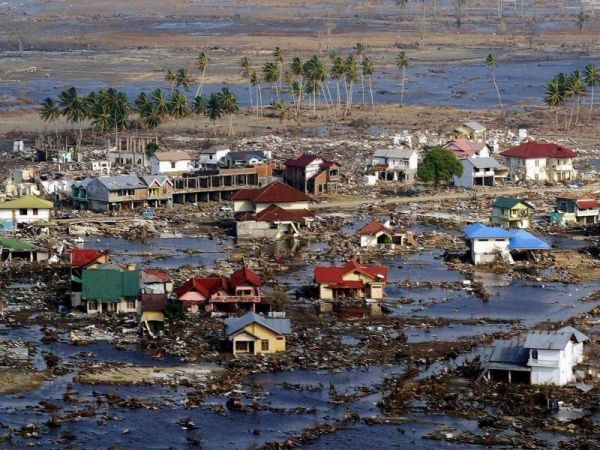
(491, 192)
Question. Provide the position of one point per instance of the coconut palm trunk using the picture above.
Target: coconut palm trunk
(591, 105)
(497, 90)
(403, 82)
(371, 91)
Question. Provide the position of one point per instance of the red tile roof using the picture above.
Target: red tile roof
(534, 149)
(81, 257)
(302, 161)
(464, 148)
(204, 286)
(275, 213)
(374, 227)
(587, 204)
(334, 274)
(244, 275)
(155, 276)
(276, 192)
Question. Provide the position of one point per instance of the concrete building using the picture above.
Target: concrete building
(274, 211)
(245, 159)
(253, 334)
(576, 207)
(471, 130)
(103, 194)
(28, 209)
(466, 149)
(395, 164)
(540, 161)
(312, 174)
(212, 157)
(480, 171)
(160, 190)
(510, 212)
(170, 163)
(111, 288)
(352, 281)
(377, 234)
(543, 358)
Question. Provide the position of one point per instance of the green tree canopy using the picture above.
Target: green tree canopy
(439, 165)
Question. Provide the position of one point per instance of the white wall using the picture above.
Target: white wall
(10, 214)
(162, 167)
(212, 158)
(484, 251)
(284, 205)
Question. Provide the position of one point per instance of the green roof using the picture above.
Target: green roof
(509, 203)
(109, 283)
(29, 202)
(16, 244)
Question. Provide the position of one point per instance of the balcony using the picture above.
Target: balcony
(587, 212)
(237, 299)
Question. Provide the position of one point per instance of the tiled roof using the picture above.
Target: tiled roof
(205, 286)
(374, 227)
(276, 192)
(122, 182)
(276, 213)
(534, 149)
(279, 326)
(81, 257)
(155, 276)
(334, 274)
(587, 204)
(302, 161)
(464, 148)
(244, 275)
(27, 201)
(172, 156)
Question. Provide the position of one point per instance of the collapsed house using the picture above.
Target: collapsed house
(241, 291)
(510, 212)
(11, 248)
(353, 280)
(488, 244)
(544, 357)
(245, 158)
(274, 211)
(312, 174)
(377, 234)
(575, 207)
(466, 149)
(253, 334)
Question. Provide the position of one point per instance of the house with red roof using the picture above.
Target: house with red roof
(540, 161)
(273, 211)
(353, 280)
(242, 290)
(378, 234)
(82, 259)
(465, 149)
(312, 174)
(577, 207)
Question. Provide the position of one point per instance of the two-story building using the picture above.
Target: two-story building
(242, 290)
(172, 163)
(353, 280)
(312, 174)
(111, 288)
(160, 190)
(543, 358)
(212, 156)
(480, 171)
(81, 260)
(540, 161)
(28, 209)
(102, 194)
(510, 212)
(394, 164)
(274, 211)
(576, 207)
(466, 149)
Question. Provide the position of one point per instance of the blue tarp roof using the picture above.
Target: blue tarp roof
(478, 230)
(519, 239)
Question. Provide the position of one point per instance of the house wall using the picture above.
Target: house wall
(552, 366)
(284, 205)
(512, 218)
(532, 169)
(15, 215)
(243, 206)
(276, 342)
(325, 292)
(466, 179)
(94, 307)
(484, 251)
(211, 159)
(162, 167)
(250, 229)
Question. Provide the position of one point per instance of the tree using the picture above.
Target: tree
(282, 110)
(246, 73)
(351, 76)
(492, 63)
(554, 98)
(73, 108)
(574, 90)
(160, 103)
(297, 88)
(142, 102)
(271, 75)
(199, 105)
(201, 63)
(368, 69)
(592, 79)
(279, 58)
(50, 113)
(178, 105)
(151, 148)
(183, 79)
(439, 165)
(338, 71)
(315, 72)
(255, 82)
(152, 118)
(213, 109)
(359, 49)
(229, 106)
(402, 62)
(171, 78)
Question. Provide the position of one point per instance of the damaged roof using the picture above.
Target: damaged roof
(374, 227)
(81, 257)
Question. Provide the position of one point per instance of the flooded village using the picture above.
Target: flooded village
(334, 225)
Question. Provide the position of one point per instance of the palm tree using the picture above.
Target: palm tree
(142, 102)
(229, 106)
(255, 81)
(298, 87)
(316, 72)
(282, 110)
(183, 79)
(271, 75)
(246, 72)
(171, 78)
(199, 106)
(554, 98)
(279, 58)
(73, 108)
(492, 63)
(351, 73)
(368, 69)
(577, 90)
(160, 103)
(359, 49)
(152, 118)
(178, 105)
(117, 105)
(50, 113)
(213, 109)
(402, 63)
(338, 71)
(592, 79)
(201, 63)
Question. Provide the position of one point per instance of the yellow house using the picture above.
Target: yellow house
(511, 213)
(253, 334)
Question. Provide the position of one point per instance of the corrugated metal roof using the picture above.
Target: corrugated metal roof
(398, 153)
(547, 340)
(578, 334)
(480, 231)
(122, 182)
(509, 351)
(16, 244)
(280, 326)
(523, 240)
(172, 156)
(484, 163)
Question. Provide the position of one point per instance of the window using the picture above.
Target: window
(130, 304)
(264, 345)
(537, 163)
(241, 346)
(534, 354)
(92, 306)
(23, 212)
(172, 165)
(35, 211)
(483, 240)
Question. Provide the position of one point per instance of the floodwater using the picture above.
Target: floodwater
(464, 85)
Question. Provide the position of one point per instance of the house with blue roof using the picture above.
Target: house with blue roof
(488, 244)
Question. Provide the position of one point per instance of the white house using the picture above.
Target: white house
(540, 161)
(544, 357)
(211, 157)
(394, 164)
(101, 167)
(480, 171)
(170, 162)
(26, 209)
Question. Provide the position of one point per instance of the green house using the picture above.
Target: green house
(111, 288)
(508, 212)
